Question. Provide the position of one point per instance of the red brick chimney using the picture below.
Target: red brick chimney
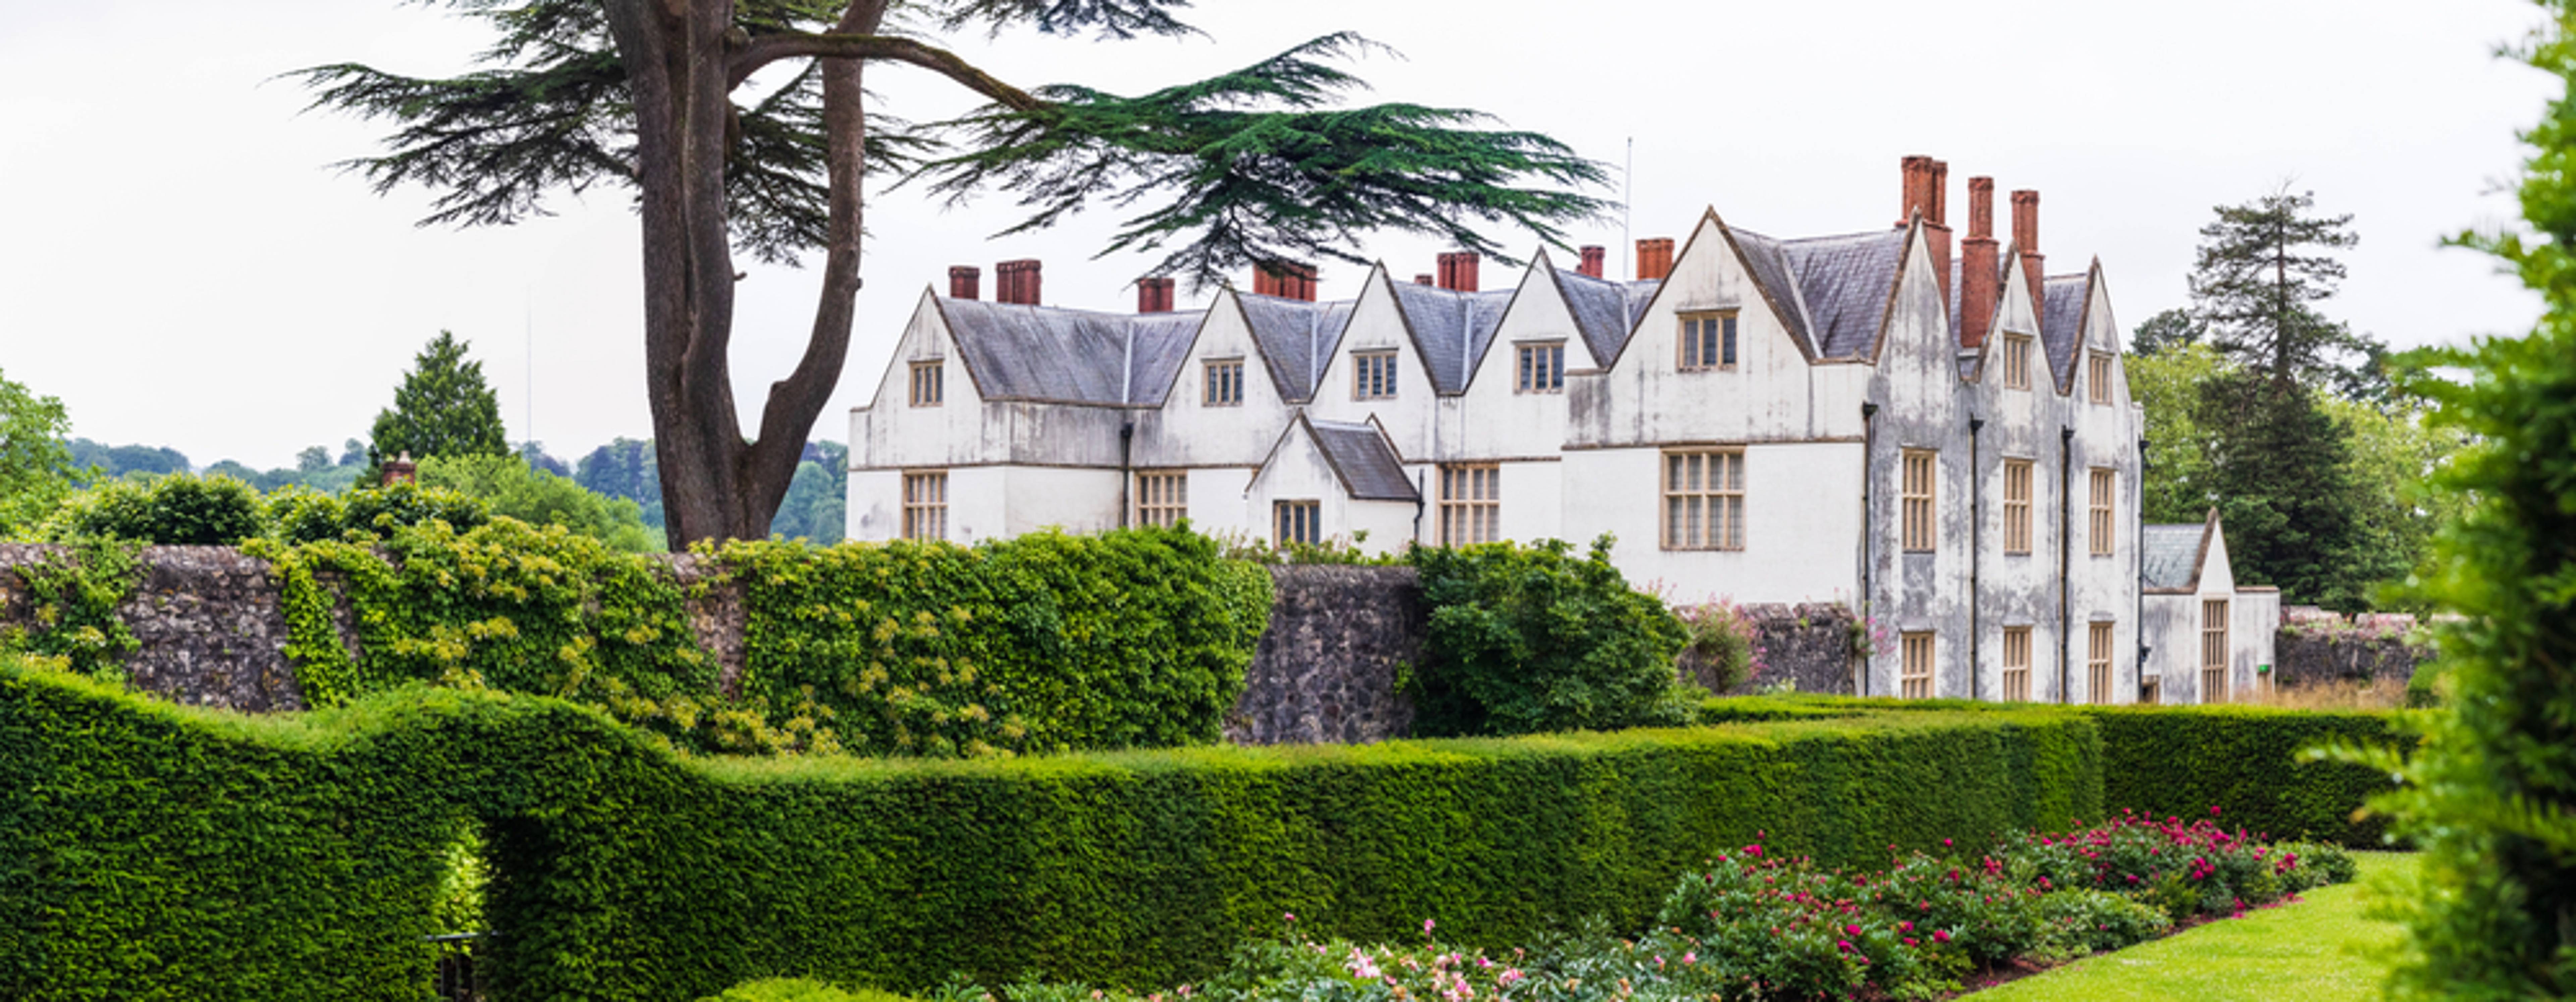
(1926, 192)
(1592, 258)
(1422, 280)
(1654, 258)
(964, 281)
(1458, 271)
(2026, 239)
(1153, 295)
(1016, 282)
(1285, 279)
(1979, 287)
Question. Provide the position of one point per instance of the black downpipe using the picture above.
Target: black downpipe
(1126, 470)
(2138, 543)
(1976, 550)
(2065, 557)
(1868, 531)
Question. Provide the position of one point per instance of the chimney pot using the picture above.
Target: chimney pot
(1939, 212)
(1980, 285)
(1981, 208)
(1016, 282)
(2025, 206)
(1458, 271)
(1592, 260)
(1154, 295)
(1654, 258)
(1422, 280)
(964, 281)
(1914, 176)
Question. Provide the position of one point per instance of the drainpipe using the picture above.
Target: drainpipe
(1418, 486)
(1976, 550)
(1126, 469)
(2138, 543)
(2065, 555)
(1868, 530)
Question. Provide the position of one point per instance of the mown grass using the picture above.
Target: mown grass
(2320, 949)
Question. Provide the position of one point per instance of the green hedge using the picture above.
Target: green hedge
(2178, 761)
(150, 851)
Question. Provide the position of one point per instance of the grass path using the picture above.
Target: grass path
(2319, 950)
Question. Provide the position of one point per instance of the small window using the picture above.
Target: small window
(929, 383)
(2104, 484)
(2213, 650)
(1918, 528)
(2097, 662)
(925, 505)
(1542, 368)
(1471, 504)
(1915, 680)
(2098, 374)
(1708, 341)
(2017, 506)
(1299, 522)
(1704, 500)
(2017, 664)
(1225, 383)
(1162, 497)
(2016, 361)
(1373, 375)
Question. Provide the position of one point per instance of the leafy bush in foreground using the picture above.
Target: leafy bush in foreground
(1528, 639)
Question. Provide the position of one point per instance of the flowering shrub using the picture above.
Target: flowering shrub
(1756, 926)
(1719, 645)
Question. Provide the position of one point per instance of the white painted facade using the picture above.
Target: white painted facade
(1846, 355)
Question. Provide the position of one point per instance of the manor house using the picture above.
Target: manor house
(1941, 436)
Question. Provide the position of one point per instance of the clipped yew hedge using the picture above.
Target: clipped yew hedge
(2243, 760)
(150, 851)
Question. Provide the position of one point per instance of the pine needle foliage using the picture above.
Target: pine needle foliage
(443, 408)
(2493, 795)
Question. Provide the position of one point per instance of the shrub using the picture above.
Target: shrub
(380, 511)
(507, 485)
(1718, 645)
(2178, 761)
(73, 593)
(1528, 639)
(797, 990)
(175, 510)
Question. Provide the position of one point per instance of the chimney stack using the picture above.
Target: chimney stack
(1016, 282)
(1284, 279)
(1654, 258)
(964, 281)
(2026, 239)
(1592, 258)
(1422, 280)
(1978, 288)
(1458, 271)
(1153, 295)
(1914, 180)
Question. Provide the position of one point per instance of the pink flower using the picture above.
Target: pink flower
(1851, 930)
(1691, 957)
(1940, 935)
(1426, 926)
(1291, 916)
(1843, 944)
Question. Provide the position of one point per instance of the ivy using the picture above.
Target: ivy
(73, 593)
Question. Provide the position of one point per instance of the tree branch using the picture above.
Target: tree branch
(768, 49)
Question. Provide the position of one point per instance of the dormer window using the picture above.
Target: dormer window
(1708, 341)
(929, 383)
(2016, 361)
(1373, 375)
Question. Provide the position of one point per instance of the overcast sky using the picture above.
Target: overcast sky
(183, 267)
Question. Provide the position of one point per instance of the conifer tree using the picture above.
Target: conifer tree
(743, 126)
(443, 408)
(2261, 269)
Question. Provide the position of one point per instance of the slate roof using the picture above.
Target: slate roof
(1297, 338)
(2061, 322)
(1771, 269)
(1452, 329)
(1069, 356)
(2172, 557)
(1844, 282)
(1605, 312)
(1366, 462)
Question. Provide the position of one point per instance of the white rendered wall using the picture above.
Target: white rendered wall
(1801, 521)
(1377, 325)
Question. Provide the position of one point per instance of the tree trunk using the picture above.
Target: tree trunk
(715, 484)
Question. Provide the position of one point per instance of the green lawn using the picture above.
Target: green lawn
(2319, 950)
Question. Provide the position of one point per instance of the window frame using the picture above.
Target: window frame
(1309, 516)
(1162, 497)
(925, 518)
(1476, 516)
(2214, 653)
(1526, 377)
(2098, 373)
(2018, 473)
(1376, 361)
(2015, 677)
(1718, 331)
(1915, 650)
(1917, 515)
(1232, 368)
(1714, 494)
(2103, 484)
(2101, 637)
(936, 382)
(2016, 348)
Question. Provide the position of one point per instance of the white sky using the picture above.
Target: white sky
(181, 266)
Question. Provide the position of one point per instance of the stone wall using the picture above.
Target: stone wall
(2322, 647)
(1327, 667)
(207, 618)
(1806, 645)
